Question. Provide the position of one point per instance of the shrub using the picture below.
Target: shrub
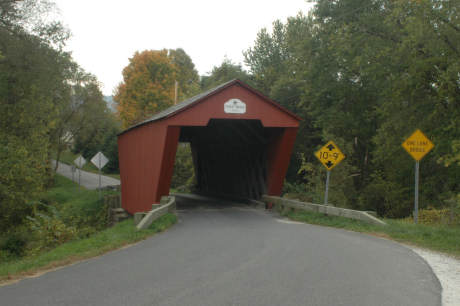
(184, 176)
(13, 244)
(49, 231)
(433, 216)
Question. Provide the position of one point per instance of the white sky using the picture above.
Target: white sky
(106, 33)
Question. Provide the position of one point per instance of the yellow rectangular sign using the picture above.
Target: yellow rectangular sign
(417, 145)
(330, 155)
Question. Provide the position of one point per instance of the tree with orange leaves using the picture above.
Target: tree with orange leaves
(147, 87)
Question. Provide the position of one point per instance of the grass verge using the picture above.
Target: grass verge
(440, 238)
(121, 234)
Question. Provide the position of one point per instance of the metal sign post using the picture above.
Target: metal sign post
(80, 162)
(330, 156)
(99, 160)
(417, 163)
(327, 186)
(73, 169)
(417, 145)
(99, 183)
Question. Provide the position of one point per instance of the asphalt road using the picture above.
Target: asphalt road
(240, 256)
(87, 179)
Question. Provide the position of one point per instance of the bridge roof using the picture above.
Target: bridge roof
(175, 109)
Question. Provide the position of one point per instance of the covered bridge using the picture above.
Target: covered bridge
(241, 143)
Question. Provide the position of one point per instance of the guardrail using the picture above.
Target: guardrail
(144, 220)
(284, 205)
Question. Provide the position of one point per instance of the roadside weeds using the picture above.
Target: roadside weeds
(121, 235)
(442, 238)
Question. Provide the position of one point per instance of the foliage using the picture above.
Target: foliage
(299, 191)
(149, 83)
(450, 215)
(102, 136)
(86, 124)
(432, 216)
(48, 230)
(183, 176)
(61, 214)
(227, 71)
(121, 234)
(110, 149)
(33, 89)
(46, 102)
(147, 87)
(187, 76)
(435, 237)
(82, 209)
(366, 75)
(13, 245)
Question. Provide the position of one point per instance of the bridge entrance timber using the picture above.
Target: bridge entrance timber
(241, 143)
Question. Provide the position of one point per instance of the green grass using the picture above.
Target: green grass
(440, 238)
(76, 205)
(66, 192)
(68, 157)
(83, 209)
(121, 234)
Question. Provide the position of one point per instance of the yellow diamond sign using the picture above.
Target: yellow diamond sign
(330, 155)
(417, 145)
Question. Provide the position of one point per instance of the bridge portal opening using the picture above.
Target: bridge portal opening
(230, 156)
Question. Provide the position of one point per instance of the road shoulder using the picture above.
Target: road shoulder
(447, 269)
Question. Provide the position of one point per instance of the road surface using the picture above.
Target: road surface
(235, 255)
(87, 179)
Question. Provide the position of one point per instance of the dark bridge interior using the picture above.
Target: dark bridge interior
(230, 156)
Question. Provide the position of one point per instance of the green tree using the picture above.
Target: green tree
(187, 76)
(33, 88)
(92, 122)
(366, 74)
(223, 73)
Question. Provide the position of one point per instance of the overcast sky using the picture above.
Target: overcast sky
(106, 33)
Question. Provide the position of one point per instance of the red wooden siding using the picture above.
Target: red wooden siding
(147, 152)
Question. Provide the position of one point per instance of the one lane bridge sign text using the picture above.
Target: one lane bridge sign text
(417, 145)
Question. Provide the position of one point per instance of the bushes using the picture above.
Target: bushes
(184, 176)
(300, 192)
(62, 214)
(48, 231)
(432, 216)
(440, 216)
(13, 245)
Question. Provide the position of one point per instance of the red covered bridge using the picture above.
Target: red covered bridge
(241, 144)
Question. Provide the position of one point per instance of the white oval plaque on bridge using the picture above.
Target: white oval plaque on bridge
(234, 106)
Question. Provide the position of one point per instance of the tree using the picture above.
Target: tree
(33, 89)
(92, 122)
(366, 74)
(225, 72)
(147, 87)
(187, 76)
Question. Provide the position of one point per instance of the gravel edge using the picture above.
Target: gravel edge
(447, 269)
